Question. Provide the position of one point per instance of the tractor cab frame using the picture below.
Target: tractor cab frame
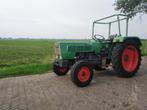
(116, 18)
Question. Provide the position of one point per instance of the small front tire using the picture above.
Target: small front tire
(60, 71)
(81, 73)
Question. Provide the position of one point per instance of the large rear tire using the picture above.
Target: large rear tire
(81, 73)
(126, 58)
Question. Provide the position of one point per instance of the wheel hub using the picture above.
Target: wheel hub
(84, 74)
(126, 58)
(130, 58)
(62, 69)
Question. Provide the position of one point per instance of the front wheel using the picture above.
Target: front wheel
(81, 74)
(126, 58)
(60, 71)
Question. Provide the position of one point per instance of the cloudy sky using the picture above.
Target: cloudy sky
(59, 18)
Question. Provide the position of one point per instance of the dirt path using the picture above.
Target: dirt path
(50, 92)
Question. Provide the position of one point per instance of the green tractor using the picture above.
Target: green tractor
(82, 57)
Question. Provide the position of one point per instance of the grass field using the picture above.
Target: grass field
(20, 57)
(25, 57)
(144, 48)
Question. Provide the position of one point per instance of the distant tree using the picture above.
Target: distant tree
(131, 7)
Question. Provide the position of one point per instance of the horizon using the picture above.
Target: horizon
(25, 38)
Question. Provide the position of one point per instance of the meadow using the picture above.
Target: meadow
(21, 57)
(144, 48)
(26, 56)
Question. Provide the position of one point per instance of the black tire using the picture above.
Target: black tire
(76, 73)
(58, 69)
(118, 58)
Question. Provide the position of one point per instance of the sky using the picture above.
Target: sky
(59, 18)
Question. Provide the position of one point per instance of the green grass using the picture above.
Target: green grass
(144, 48)
(26, 57)
(25, 70)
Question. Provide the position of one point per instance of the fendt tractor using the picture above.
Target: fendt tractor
(122, 52)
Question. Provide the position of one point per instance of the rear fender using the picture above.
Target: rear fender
(124, 39)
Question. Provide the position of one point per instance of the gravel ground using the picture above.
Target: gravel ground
(50, 92)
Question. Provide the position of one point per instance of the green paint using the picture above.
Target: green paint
(69, 49)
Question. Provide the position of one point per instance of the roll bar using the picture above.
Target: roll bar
(117, 19)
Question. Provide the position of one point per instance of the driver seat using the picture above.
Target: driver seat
(111, 37)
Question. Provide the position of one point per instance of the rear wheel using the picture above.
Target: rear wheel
(81, 74)
(126, 58)
(60, 71)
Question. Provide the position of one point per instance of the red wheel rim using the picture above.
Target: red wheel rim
(130, 58)
(62, 69)
(84, 74)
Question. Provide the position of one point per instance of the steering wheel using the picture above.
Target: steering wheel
(99, 37)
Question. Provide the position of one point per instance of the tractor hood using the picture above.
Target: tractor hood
(68, 49)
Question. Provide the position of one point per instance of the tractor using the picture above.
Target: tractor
(82, 57)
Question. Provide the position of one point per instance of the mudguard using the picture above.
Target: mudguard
(123, 39)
